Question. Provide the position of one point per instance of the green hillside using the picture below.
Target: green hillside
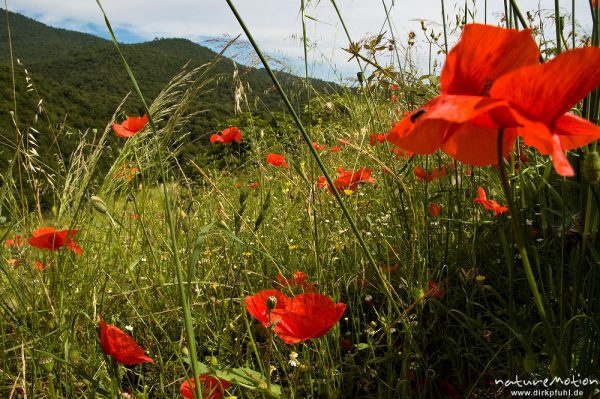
(81, 81)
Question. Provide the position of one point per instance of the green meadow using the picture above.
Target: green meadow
(412, 234)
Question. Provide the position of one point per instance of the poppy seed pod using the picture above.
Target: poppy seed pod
(591, 168)
(271, 302)
(98, 204)
(47, 363)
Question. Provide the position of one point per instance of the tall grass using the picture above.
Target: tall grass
(171, 257)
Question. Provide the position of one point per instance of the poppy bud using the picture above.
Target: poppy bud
(591, 168)
(529, 362)
(185, 225)
(98, 204)
(271, 302)
(47, 363)
(74, 355)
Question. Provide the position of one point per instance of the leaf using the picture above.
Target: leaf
(193, 261)
(250, 379)
(362, 346)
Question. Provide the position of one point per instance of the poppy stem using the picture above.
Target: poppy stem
(444, 25)
(514, 213)
(268, 354)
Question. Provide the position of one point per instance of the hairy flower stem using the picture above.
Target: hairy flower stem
(269, 349)
(514, 213)
(385, 283)
(444, 25)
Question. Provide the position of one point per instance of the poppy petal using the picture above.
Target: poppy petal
(120, 346)
(213, 387)
(559, 159)
(43, 230)
(256, 305)
(475, 145)
(483, 54)
(422, 138)
(547, 91)
(135, 123)
(428, 128)
(50, 238)
(74, 247)
(574, 131)
(308, 315)
(120, 131)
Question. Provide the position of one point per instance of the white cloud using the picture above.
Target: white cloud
(274, 23)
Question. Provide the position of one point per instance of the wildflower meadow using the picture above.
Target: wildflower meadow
(428, 229)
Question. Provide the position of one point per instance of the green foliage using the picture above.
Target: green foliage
(398, 338)
(68, 82)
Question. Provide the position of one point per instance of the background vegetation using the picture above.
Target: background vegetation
(181, 227)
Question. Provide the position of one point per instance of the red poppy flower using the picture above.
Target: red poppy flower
(39, 265)
(348, 179)
(322, 182)
(254, 185)
(400, 152)
(276, 160)
(299, 280)
(489, 204)
(17, 242)
(435, 209)
(318, 147)
(213, 387)
(257, 305)
(52, 239)
(126, 172)
(492, 80)
(227, 136)
(335, 148)
(434, 290)
(376, 138)
(120, 346)
(130, 126)
(393, 87)
(422, 174)
(297, 319)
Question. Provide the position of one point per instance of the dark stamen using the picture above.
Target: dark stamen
(416, 115)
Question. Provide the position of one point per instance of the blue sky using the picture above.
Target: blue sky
(276, 24)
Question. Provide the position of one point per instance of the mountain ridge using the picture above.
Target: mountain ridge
(80, 81)
(90, 64)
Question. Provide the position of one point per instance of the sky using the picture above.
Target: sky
(275, 24)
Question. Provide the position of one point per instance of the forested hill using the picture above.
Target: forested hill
(81, 79)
